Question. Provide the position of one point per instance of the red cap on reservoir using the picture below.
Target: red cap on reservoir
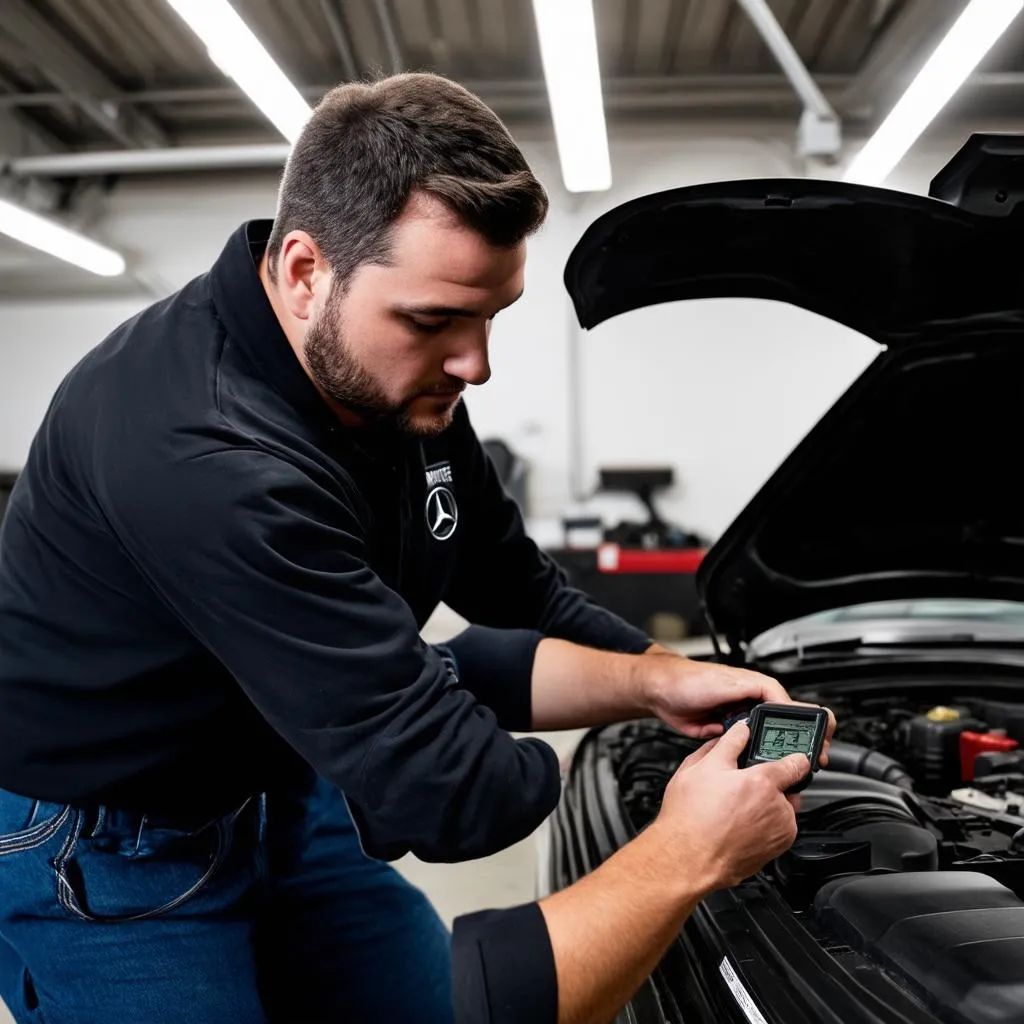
(974, 743)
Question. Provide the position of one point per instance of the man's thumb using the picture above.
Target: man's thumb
(730, 746)
(788, 771)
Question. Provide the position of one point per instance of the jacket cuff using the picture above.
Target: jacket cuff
(496, 666)
(503, 968)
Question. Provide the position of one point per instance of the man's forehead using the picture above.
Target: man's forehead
(455, 276)
(430, 239)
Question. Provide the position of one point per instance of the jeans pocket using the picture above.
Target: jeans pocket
(130, 870)
(26, 823)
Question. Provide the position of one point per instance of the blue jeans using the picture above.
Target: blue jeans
(269, 914)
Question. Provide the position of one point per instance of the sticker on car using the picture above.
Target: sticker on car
(740, 993)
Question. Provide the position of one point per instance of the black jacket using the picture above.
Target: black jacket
(207, 583)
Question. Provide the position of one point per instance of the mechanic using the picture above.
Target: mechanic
(218, 720)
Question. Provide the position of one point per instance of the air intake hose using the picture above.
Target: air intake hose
(856, 760)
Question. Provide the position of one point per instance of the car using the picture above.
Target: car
(879, 572)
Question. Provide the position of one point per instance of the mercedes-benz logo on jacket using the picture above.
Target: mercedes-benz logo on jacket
(442, 513)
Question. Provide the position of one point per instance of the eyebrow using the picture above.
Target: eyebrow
(458, 311)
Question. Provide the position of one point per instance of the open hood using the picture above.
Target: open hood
(908, 486)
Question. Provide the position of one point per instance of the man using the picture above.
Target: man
(236, 516)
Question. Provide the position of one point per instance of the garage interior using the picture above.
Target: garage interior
(630, 447)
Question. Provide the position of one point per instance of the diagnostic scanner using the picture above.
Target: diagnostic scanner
(777, 730)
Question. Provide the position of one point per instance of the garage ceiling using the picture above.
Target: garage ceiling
(97, 73)
(87, 75)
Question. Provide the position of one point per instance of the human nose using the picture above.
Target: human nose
(469, 361)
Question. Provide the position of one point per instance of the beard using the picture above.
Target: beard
(339, 374)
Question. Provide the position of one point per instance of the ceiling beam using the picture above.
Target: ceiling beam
(819, 132)
(526, 89)
(22, 123)
(389, 33)
(524, 95)
(897, 55)
(339, 33)
(76, 77)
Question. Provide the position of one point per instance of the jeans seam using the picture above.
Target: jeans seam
(37, 835)
(68, 898)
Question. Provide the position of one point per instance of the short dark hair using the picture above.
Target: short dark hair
(367, 147)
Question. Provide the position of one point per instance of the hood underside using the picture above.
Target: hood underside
(908, 486)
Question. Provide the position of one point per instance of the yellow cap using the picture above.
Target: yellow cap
(943, 714)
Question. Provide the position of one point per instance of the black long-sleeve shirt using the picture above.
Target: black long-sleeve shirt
(207, 583)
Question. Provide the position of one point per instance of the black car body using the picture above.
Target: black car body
(880, 571)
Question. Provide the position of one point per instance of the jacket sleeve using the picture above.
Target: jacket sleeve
(496, 665)
(503, 968)
(266, 565)
(505, 580)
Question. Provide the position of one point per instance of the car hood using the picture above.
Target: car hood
(908, 486)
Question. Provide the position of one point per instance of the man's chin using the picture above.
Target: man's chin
(429, 415)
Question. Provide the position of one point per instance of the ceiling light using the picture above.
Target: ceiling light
(49, 236)
(241, 56)
(568, 50)
(959, 53)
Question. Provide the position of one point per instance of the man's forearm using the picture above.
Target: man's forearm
(609, 930)
(575, 687)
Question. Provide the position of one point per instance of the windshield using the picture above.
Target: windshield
(897, 623)
(1011, 612)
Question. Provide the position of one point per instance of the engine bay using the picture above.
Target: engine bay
(910, 845)
(911, 785)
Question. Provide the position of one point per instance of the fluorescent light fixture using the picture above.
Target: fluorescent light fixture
(241, 56)
(49, 236)
(568, 51)
(971, 37)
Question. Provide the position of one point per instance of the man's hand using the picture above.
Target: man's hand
(718, 824)
(694, 696)
(730, 821)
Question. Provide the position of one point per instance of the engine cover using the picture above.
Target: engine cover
(956, 937)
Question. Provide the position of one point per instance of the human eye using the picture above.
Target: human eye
(429, 326)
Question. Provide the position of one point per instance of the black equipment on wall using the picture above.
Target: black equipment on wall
(6, 484)
(512, 470)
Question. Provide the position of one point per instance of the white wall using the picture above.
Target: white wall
(719, 389)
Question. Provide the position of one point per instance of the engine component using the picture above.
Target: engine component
(852, 824)
(1008, 803)
(957, 937)
(1002, 715)
(857, 760)
(934, 743)
(816, 858)
(999, 763)
(994, 794)
(974, 743)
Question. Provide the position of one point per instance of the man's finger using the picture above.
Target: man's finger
(700, 753)
(787, 771)
(730, 746)
(773, 692)
(755, 686)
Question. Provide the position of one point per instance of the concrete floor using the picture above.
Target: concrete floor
(504, 880)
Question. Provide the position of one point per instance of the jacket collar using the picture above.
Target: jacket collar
(252, 324)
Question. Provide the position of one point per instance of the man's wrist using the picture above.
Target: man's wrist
(655, 674)
(687, 868)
